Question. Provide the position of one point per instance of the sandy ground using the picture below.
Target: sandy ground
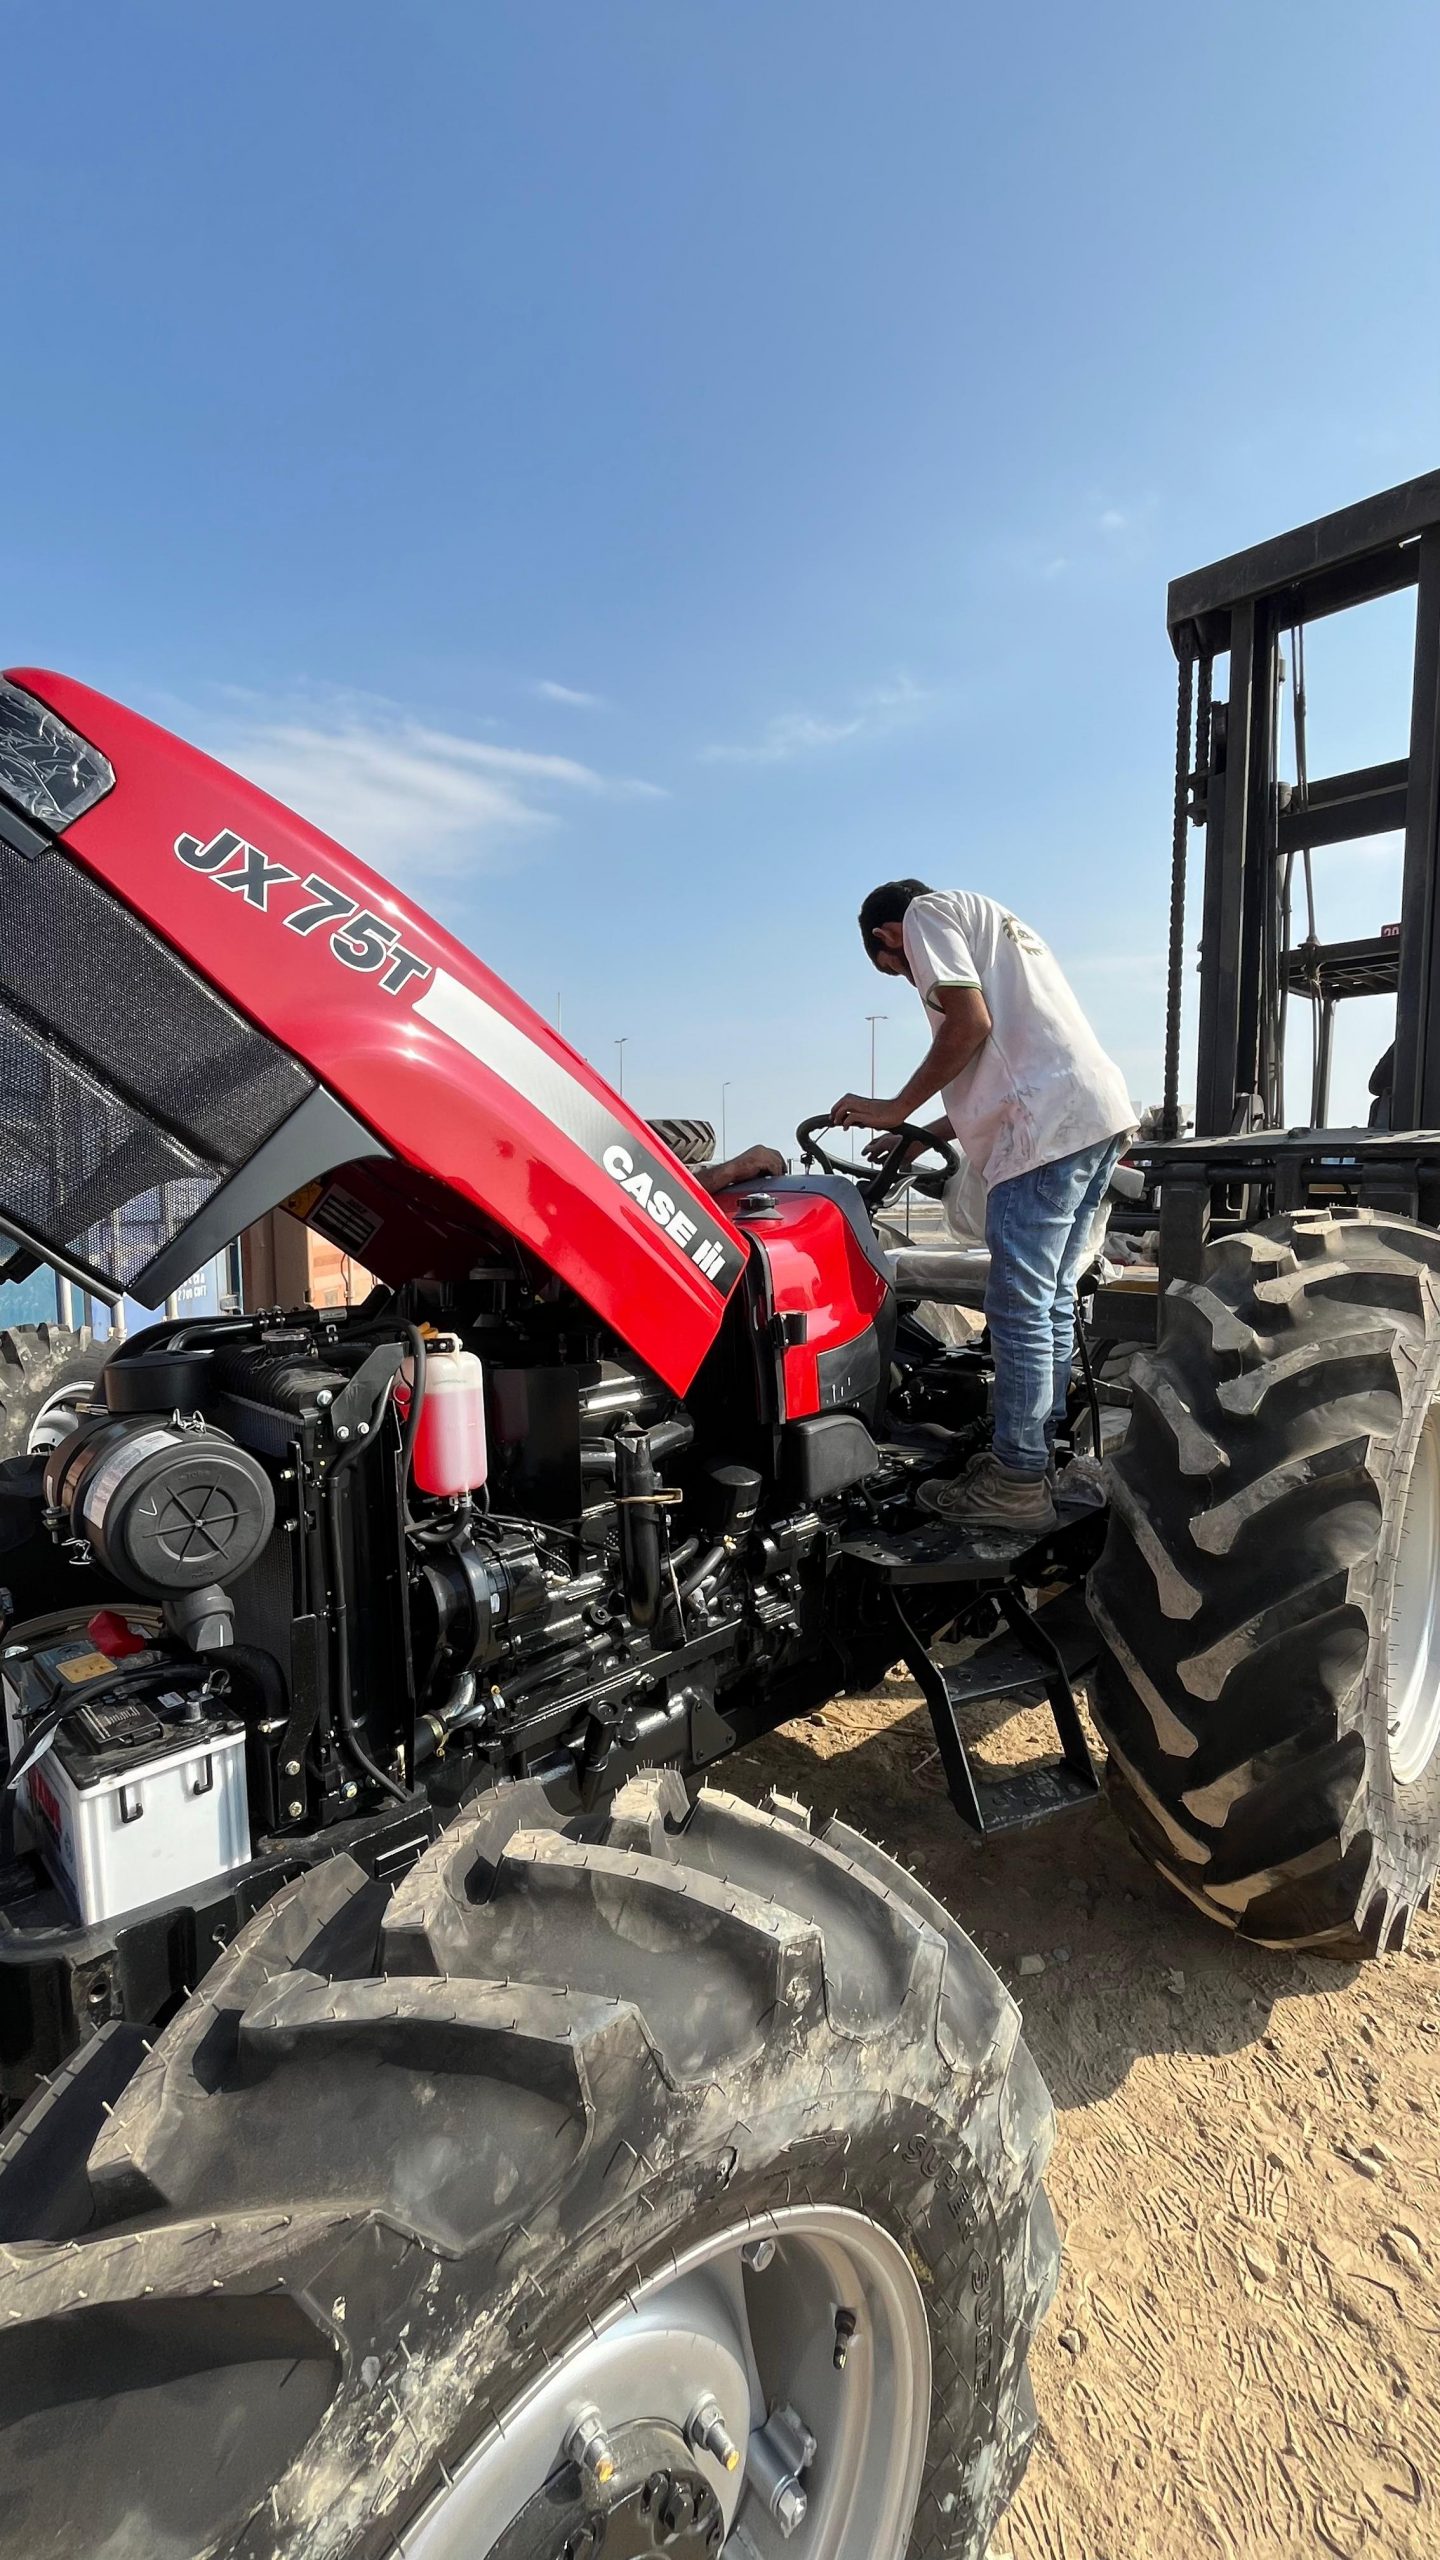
(1244, 2355)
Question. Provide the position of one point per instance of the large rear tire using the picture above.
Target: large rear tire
(691, 1141)
(48, 1375)
(580, 2126)
(1269, 1593)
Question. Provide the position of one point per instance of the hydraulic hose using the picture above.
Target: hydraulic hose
(416, 1340)
(709, 1563)
(256, 1664)
(339, 1602)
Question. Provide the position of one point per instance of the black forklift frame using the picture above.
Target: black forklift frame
(1239, 1166)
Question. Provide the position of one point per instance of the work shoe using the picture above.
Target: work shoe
(991, 1496)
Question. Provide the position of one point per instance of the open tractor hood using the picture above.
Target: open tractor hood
(208, 1008)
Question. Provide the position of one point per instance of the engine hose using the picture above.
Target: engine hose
(667, 1439)
(709, 1564)
(260, 1667)
(344, 1696)
(416, 1340)
(173, 1329)
(434, 1730)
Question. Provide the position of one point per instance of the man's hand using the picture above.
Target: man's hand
(880, 1147)
(755, 1164)
(862, 1111)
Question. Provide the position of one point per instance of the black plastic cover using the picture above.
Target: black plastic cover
(826, 1454)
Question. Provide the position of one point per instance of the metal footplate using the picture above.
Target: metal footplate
(1039, 1649)
(932, 1550)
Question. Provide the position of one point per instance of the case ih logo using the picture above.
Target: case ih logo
(707, 1255)
(358, 939)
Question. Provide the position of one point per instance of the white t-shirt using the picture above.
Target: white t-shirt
(1041, 1087)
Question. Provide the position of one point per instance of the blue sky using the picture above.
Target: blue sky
(643, 471)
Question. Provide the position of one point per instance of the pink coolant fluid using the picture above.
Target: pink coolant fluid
(450, 1453)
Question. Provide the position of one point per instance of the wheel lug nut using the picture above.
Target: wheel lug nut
(790, 2506)
(708, 2433)
(758, 2255)
(590, 2448)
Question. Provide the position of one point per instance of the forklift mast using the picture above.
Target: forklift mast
(1231, 623)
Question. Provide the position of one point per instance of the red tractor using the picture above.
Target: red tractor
(442, 2128)
(455, 2132)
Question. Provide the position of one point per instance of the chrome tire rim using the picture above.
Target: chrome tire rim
(746, 2325)
(53, 1423)
(1414, 1633)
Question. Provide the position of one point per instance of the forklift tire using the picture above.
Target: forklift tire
(48, 1375)
(1269, 1593)
(691, 1142)
(637, 2182)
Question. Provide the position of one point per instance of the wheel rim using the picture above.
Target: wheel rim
(750, 2323)
(53, 1423)
(1414, 1643)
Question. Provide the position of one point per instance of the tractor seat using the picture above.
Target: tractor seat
(948, 1278)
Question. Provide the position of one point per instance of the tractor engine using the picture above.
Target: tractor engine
(334, 1568)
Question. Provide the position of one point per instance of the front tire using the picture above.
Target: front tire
(1269, 1594)
(410, 2188)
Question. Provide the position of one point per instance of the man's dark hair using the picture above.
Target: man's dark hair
(887, 905)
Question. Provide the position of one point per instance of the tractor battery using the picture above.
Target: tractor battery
(132, 1772)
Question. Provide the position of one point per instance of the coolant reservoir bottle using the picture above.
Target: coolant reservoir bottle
(450, 1455)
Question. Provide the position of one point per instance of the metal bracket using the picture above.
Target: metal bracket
(358, 1401)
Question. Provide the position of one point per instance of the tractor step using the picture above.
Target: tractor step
(1038, 1651)
(933, 1550)
(936, 1551)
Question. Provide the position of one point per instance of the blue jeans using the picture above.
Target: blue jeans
(1038, 1228)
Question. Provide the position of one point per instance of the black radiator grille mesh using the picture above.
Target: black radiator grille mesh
(128, 1089)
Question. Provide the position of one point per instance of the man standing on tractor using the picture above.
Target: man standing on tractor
(1042, 1114)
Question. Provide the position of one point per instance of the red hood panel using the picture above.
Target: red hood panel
(407, 1028)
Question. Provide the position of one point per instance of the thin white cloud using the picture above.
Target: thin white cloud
(788, 734)
(570, 695)
(420, 803)
(1112, 520)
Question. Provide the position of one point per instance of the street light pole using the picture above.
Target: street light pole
(620, 1053)
(872, 1019)
(724, 1147)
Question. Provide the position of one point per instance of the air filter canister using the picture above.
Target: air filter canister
(166, 1509)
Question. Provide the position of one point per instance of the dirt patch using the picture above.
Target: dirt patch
(1244, 2355)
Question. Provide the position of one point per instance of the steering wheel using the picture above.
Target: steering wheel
(875, 1187)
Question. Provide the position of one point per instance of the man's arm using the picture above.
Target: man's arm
(756, 1164)
(962, 1031)
(881, 1146)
